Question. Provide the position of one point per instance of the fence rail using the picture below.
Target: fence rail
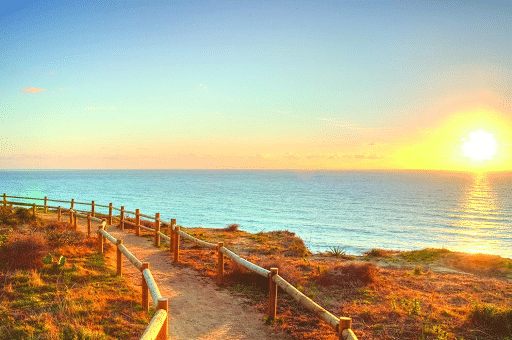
(342, 325)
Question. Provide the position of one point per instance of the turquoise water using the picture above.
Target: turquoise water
(358, 210)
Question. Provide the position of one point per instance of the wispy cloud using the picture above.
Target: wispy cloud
(339, 123)
(32, 90)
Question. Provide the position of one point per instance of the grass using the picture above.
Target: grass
(411, 297)
(82, 298)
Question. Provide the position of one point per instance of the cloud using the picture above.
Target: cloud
(339, 123)
(90, 108)
(32, 90)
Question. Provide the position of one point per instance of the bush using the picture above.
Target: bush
(7, 217)
(495, 321)
(24, 215)
(232, 227)
(24, 251)
(357, 275)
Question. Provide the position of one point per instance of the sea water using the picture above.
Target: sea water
(358, 210)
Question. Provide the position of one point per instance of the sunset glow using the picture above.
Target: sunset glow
(250, 85)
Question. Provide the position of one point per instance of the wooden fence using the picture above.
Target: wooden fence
(341, 325)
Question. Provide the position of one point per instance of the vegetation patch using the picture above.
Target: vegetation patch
(411, 297)
(54, 286)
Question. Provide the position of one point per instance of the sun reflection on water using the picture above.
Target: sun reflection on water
(478, 218)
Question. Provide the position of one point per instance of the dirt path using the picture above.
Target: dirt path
(198, 308)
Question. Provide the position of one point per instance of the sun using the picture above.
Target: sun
(480, 145)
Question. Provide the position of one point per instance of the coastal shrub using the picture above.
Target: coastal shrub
(24, 251)
(376, 252)
(7, 217)
(232, 227)
(58, 238)
(481, 263)
(24, 215)
(58, 225)
(354, 274)
(495, 321)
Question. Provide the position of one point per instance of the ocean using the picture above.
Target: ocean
(357, 210)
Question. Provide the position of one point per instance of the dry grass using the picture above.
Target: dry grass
(24, 251)
(84, 299)
(422, 294)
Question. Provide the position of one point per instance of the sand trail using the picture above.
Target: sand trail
(198, 308)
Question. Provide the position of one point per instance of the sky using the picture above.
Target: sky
(370, 84)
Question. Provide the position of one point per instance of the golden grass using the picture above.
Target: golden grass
(424, 294)
(84, 299)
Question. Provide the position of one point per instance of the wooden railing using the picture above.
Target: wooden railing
(157, 328)
(341, 325)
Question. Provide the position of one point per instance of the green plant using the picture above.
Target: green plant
(412, 307)
(338, 250)
(269, 321)
(49, 259)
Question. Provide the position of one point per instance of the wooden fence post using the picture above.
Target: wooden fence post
(89, 225)
(45, 204)
(220, 264)
(119, 258)
(163, 303)
(145, 289)
(5, 200)
(59, 214)
(272, 295)
(72, 204)
(34, 209)
(92, 209)
(137, 222)
(121, 217)
(176, 244)
(75, 221)
(110, 214)
(345, 323)
(157, 229)
(100, 240)
(71, 217)
(171, 235)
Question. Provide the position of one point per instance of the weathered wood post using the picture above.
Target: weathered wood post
(272, 294)
(345, 323)
(45, 204)
(176, 244)
(163, 303)
(71, 217)
(34, 209)
(72, 204)
(171, 235)
(59, 214)
(137, 222)
(5, 200)
(157, 229)
(119, 258)
(100, 240)
(145, 289)
(75, 221)
(110, 213)
(89, 223)
(220, 264)
(92, 209)
(121, 217)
